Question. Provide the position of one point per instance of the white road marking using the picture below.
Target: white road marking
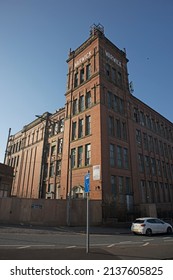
(111, 245)
(23, 247)
(131, 243)
(145, 244)
(69, 247)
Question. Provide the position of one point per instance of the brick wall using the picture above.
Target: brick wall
(48, 212)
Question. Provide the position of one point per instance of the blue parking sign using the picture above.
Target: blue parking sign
(87, 183)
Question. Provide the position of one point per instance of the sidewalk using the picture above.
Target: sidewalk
(53, 230)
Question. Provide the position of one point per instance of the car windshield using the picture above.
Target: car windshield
(138, 221)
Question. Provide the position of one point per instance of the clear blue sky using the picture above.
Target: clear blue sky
(35, 38)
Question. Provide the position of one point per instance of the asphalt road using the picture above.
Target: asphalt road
(70, 243)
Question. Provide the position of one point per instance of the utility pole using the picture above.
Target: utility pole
(6, 150)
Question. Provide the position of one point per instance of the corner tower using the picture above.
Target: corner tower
(97, 86)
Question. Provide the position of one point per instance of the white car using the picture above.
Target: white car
(149, 226)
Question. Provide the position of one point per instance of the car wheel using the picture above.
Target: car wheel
(148, 232)
(169, 230)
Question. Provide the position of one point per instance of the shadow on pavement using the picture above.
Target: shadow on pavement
(56, 254)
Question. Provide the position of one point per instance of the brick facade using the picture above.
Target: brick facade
(125, 145)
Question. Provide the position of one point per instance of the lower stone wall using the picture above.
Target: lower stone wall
(48, 212)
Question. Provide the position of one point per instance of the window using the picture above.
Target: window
(156, 145)
(147, 164)
(60, 145)
(88, 99)
(113, 185)
(162, 192)
(136, 115)
(143, 191)
(169, 152)
(158, 127)
(162, 130)
(118, 128)
(76, 79)
(138, 137)
(142, 118)
(88, 154)
(110, 100)
(148, 121)
(150, 143)
(164, 169)
(119, 157)
(149, 191)
(80, 156)
(112, 155)
(73, 130)
(56, 128)
(153, 125)
(69, 76)
(141, 162)
(168, 170)
(126, 158)
(73, 157)
(108, 70)
(119, 78)
(114, 75)
(145, 138)
(58, 167)
(120, 184)
(120, 189)
(28, 143)
(124, 131)
(166, 150)
(128, 186)
(81, 103)
(51, 172)
(88, 71)
(88, 125)
(74, 106)
(156, 192)
(61, 125)
(116, 103)
(51, 130)
(80, 130)
(53, 150)
(153, 166)
(159, 171)
(121, 106)
(161, 148)
(51, 188)
(111, 126)
(81, 75)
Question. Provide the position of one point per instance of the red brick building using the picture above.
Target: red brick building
(125, 145)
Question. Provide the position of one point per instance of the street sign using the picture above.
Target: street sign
(87, 190)
(87, 183)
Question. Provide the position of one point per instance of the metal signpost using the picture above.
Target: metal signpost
(87, 189)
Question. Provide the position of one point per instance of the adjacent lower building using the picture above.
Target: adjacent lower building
(6, 180)
(103, 130)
